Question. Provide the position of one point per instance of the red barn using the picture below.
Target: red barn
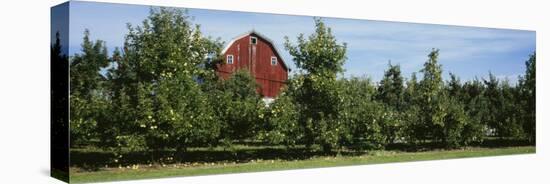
(257, 54)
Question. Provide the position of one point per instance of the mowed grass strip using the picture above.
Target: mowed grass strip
(375, 157)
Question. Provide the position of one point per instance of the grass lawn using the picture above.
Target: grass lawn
(193, 169)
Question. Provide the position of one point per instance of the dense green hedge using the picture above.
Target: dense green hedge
(160, 92)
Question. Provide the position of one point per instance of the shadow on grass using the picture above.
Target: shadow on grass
(491, 142)
(94, 159)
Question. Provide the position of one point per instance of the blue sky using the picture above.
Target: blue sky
(465, 51)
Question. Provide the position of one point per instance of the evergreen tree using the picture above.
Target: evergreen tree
(59, 98)
(431, 100)
(454, 87)
(88, 96)
(509, 114)
(391, 89)
(494, 103)
(411, 91)
(412, 125)
(476, 109)
(527, 91)
(502, 114)
(456, 118)
(391, 93)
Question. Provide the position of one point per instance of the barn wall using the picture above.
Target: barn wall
(257, 60)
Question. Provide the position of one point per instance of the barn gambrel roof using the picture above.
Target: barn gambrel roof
(261, 36)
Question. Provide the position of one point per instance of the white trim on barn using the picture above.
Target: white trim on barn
(273, 60)
(227, 60)
(268, 101)
(228, 45)
(253, 40)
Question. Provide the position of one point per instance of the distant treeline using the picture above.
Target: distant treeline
(160, 92)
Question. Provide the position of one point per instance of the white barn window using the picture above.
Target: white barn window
(253, 40)
(273, 60)
(229, 59)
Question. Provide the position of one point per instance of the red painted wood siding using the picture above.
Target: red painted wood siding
(257, 60)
